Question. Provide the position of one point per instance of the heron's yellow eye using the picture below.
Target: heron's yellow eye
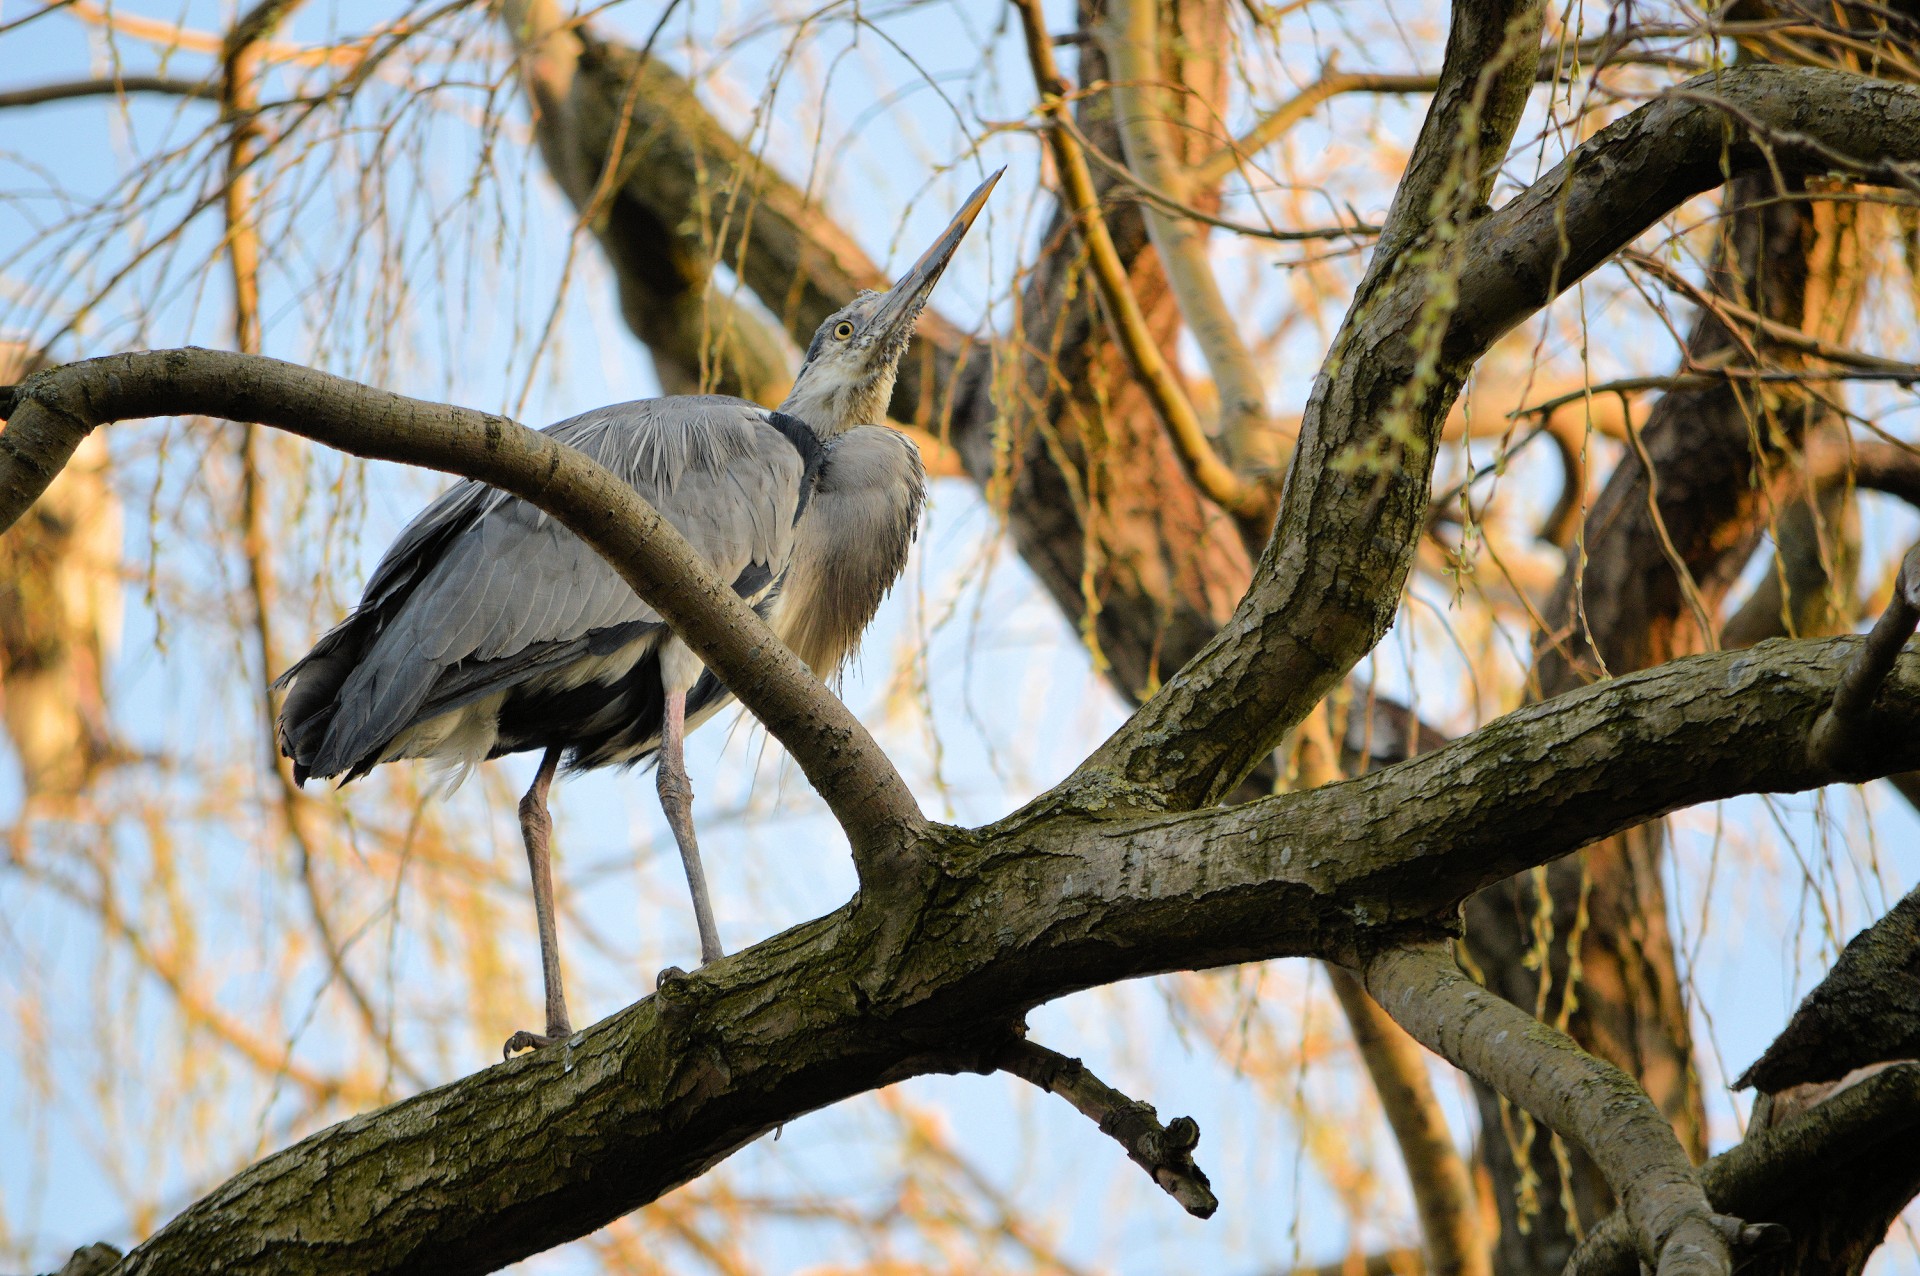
(843, 330)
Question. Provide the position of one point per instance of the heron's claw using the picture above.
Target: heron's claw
(524, 1040)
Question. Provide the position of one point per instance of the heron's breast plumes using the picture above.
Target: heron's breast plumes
(851, 544)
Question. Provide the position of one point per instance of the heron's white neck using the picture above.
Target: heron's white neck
(832, 404)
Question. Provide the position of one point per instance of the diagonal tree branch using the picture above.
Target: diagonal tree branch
(1165, 1152)
(1443, 1193)
(118, 86)
(1589, 1101)
(1859, 1143)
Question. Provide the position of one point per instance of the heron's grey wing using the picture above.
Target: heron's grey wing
(313, 682)
(851, 543)
(516, 594)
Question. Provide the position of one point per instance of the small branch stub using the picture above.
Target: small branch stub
(1163, 1151)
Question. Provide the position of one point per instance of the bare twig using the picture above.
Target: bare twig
(117, 86)
(1137, 188)
(1588, 1101)
(59, 406)
(1165, 1152)
(1733, 313)
(1334, 83)
(1842, 734)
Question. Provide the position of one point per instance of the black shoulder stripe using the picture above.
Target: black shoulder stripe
(752, 580)
(813, 454)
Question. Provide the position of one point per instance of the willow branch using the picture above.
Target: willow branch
(1140, 111)
(1136, 188)
(118, 86)
(1165, 1152)
(57, 408)
(1252, 502)
(1587, 1100)
(1443, 1190)
(1332, 83)
(1278, 122)
(1786, 335)
(1030, 909)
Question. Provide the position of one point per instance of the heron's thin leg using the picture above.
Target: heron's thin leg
(676, 799)
(536, 826)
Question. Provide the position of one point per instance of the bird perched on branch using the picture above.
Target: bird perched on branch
(489, 629)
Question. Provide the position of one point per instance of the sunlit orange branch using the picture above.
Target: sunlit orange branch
(1252, 502)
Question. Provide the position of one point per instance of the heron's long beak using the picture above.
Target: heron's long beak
(905, 299)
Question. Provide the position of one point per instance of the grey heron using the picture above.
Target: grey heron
(488, 629)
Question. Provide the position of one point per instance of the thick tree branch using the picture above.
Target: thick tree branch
(1866, 1011)
(1358, 491)
(526, 1154)
(58, 407)
(1587, 1100)
(1165, 1152)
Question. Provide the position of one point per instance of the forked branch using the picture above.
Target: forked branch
(1768, 1174)
(1360, 484)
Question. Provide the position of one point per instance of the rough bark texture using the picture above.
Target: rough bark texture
(1865, 1011)
(1384, 396)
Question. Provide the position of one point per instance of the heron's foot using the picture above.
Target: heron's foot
(524, 1040)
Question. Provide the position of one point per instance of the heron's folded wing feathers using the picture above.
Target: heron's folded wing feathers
(514, 588)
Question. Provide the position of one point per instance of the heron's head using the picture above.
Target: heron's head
(847, 379)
